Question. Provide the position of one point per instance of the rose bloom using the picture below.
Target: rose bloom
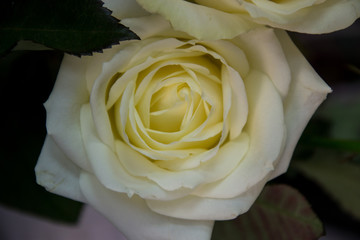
(218, 19)
(167, 134)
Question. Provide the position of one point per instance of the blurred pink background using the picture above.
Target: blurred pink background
(91, 226)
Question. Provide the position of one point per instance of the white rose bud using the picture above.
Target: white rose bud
(215, 19)
(167, 134)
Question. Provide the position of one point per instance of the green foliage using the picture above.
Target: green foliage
(340, 144)
(280, 213)
(76, 27)
(338, 174)
(334, 140)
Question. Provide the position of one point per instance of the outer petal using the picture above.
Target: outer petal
(326, 17)
(234, 194)
(265, 53)
(153, 25)
(200, 208)
(229, 155)
(125, 8)
(284, 7)
(266, 130)
(199, 21)
(135, 220)
(111, 173)
(57, 173)
(96, 64)
(306, 93)
(63, 109)
(224, 5)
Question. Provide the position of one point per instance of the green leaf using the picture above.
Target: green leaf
(280, 213)
(23, 131)
(338, 174)
(340, 144)
(342, 111)
(76, 27)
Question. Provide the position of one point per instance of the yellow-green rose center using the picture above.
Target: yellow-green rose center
(173, 108)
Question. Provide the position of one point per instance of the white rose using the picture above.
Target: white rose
(167, 134)
(214, 19)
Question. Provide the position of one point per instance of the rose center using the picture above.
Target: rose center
(171, 103)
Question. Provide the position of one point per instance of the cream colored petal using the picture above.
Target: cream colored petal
(283, 7)
(329, 16)
(175, 138)
(153, 25)
(214, 169)
(63, 108)
(142, 135)
(146, 95)
(266, 129)
(238, 101)
(307, 91)
(158, 100)
(170, 64)
(141, 141)
(232, 55)
(126, 110)
(199, 208)
(135, 220)
(109, 170)
(168, 155)
(138, 165)
(156, 47)
(192, 161)
(226, 159)
(57, 173)
(125, 8)
(212, 94)
(99, 99)
(265, 53)
(199, 21)
(141, 60)
(100, 102)
(231, 6)
(112, 57)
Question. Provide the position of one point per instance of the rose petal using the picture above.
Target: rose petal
(231, 53)
(68, 95)
(268, 57)
(99, 100)
(307, 91)
(238, 107)
(100, 103)
(230, 6)
(285, 7)
(149, 26)
(199, 21)
(141, 61)
(125, 8)
(329, 16)
(199, 208)
(138, 165)
(108, 168)
(135, 220)
(57, 173)
(100, 61)
(265, 125)
(229, 156)
(118, 63)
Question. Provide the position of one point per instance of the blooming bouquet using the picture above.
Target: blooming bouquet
(186, 120)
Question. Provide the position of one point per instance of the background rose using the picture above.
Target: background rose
(243, 103)
(225, 19)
